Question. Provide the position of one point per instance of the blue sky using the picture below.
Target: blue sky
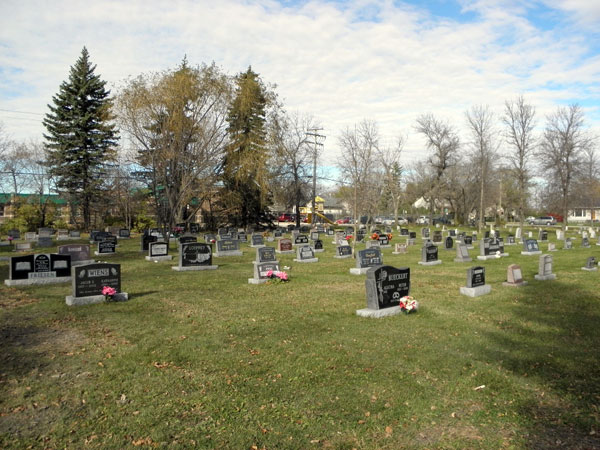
(341, 61)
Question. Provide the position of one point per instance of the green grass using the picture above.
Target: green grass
(206, 360)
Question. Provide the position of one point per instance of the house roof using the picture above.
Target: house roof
(54, 198)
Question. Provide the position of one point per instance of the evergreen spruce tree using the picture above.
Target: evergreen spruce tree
(81, 137)
(245, 176)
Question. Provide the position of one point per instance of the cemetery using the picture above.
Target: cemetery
(316, 335)
(348, 225)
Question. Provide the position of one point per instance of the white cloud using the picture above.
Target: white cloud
(340, 63)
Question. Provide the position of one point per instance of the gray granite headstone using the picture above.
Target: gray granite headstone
(385, 286)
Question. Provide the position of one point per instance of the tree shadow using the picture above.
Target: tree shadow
(553, 339)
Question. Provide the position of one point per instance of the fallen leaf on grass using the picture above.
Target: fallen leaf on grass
(143, 441)
(160, 365)
(388, 431)
(478, 388)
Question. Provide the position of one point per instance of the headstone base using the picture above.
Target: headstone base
(552, 276)
(359, 271)
(62, 238)
(522, 283)
(37, 281)
(470, 247)
(476, 291)
(159, 258)
(318, 250)
(592, 269)
(342, 257)
(463, 259)
(193, 268)
(531, 253)
(229, 253)
(486, 257)
(104, 254)
(378, 313)
(385, 246)
(257, 280)
(92, 299)
(309, 260)
(283, 252)
(122, 237)
(430, 263)
(83, 262)
(258, 246)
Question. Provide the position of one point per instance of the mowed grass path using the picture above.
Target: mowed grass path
(205, 360)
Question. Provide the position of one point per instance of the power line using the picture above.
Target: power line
(22, 118)
(21, 112)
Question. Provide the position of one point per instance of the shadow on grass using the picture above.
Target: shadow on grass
(137, 295)
(552, 342)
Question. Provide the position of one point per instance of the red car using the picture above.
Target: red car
(344, 220)
(286, 217)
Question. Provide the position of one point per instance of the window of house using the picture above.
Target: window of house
(579, 213)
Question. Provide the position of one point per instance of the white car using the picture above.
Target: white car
(422, 220)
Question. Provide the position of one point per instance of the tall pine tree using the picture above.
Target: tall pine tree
(245, 176)
(81, 137)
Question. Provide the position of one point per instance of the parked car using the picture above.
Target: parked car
(391, 221)
(543, 220)
(286, 217)
(558, 217)
(344, 220)
(441, 219)
(423, 220)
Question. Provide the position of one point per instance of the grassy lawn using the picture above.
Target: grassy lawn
(206, 360)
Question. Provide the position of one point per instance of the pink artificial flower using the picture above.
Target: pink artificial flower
(107, 290)
(282, 276)
(270, 273)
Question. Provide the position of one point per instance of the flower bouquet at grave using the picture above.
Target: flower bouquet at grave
(108, 293)
(375, 237)
(408, 304)
(278, 276)
(349, 239)
(390, 236)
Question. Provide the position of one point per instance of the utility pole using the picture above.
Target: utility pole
(317, 142)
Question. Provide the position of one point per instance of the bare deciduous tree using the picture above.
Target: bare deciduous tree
(443, 142)
(562, 149)
(389, 158)
(359, 147)
(292, 158)
(480, 121)
(519, 120)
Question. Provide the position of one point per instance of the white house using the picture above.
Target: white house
(586, 214)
